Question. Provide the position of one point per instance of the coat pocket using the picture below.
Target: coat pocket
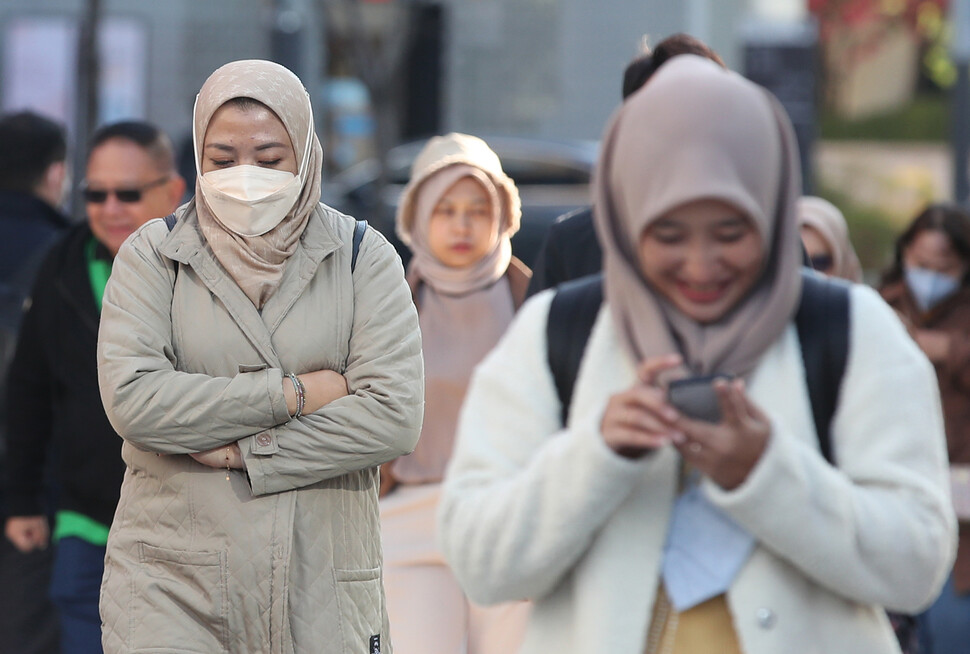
(360, 600)
(180, 601)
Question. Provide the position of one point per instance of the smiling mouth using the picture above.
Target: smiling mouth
(703, 293)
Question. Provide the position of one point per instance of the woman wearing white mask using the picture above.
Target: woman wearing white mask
(929, 287)
(260, 366)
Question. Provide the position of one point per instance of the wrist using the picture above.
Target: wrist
(299, 391)
(289, 395)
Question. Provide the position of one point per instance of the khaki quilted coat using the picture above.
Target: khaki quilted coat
(284, 557)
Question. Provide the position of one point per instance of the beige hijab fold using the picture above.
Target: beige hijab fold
(826, 219)
(698, 132)
(256, 263)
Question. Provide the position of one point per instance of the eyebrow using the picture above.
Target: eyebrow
(259, 148)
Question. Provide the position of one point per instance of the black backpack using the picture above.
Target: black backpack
(822, 321)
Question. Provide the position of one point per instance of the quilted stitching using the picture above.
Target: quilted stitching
(281, 549)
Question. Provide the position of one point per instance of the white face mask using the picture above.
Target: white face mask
(250, 200)
(929, 287)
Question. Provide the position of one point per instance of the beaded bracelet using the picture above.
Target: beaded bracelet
(300, 390)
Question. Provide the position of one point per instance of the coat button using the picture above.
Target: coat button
(264, 440)
(766, 618)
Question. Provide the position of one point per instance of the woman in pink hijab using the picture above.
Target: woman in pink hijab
(712, 525)
(457, 214)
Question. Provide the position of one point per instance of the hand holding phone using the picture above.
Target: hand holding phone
(696, 398)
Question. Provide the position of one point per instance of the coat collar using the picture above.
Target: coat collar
(186, 244)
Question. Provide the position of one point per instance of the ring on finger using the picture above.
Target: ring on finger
(695, 448)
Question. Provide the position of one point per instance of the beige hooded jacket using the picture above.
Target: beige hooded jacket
(285, 556)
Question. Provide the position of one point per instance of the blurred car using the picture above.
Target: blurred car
(552, 176)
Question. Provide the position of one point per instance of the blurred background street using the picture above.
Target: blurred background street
(869, 85)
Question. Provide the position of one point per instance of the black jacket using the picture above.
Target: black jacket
(570, 251)
(28, 227)
(53, 394)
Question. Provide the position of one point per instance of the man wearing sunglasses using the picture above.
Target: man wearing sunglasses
(55, 405)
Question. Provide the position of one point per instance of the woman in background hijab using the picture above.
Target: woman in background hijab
(929, 287)
(457, 214)
(258, 381)
(641, 527)
(825, 236)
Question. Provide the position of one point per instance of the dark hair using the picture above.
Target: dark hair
(245, 103)
(645, 64)
(950, 219)
(29, 144)
(145, 135)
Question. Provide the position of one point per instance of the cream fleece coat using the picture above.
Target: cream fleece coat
(533, 511)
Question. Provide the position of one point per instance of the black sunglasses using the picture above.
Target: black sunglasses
(822, 262)
(126, 195)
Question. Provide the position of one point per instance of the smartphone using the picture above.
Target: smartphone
(695, 397)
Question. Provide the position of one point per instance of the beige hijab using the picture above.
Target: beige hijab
(442, 162)
(696, 132)
(256, 262)
(826, 219)
(443, 278)
(462, 311)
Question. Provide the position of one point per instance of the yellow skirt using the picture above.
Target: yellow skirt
(704, 629)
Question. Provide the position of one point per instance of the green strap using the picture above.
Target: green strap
(98, 271)
(78, 525)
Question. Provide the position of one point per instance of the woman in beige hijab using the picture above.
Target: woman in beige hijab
(709, 523)
(825, 236)
(457, 214)
(260, 357)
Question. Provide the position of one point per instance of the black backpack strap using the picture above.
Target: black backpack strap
(169, 221)
(359, 230)
(572, 313)
(823, 331)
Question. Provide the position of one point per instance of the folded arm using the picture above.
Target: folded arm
(151, 404)
(380, 418)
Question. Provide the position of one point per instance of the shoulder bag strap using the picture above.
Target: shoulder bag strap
(823, 331)
(572, 313)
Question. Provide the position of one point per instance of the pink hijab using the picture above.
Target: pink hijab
(697, 131)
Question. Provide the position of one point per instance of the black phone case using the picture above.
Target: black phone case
(695, 397)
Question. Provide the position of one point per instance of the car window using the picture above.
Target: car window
(533, 172)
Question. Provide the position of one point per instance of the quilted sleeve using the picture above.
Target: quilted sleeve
(381, 418)
(150, 404)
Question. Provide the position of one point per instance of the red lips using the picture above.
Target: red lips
(702, 296)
